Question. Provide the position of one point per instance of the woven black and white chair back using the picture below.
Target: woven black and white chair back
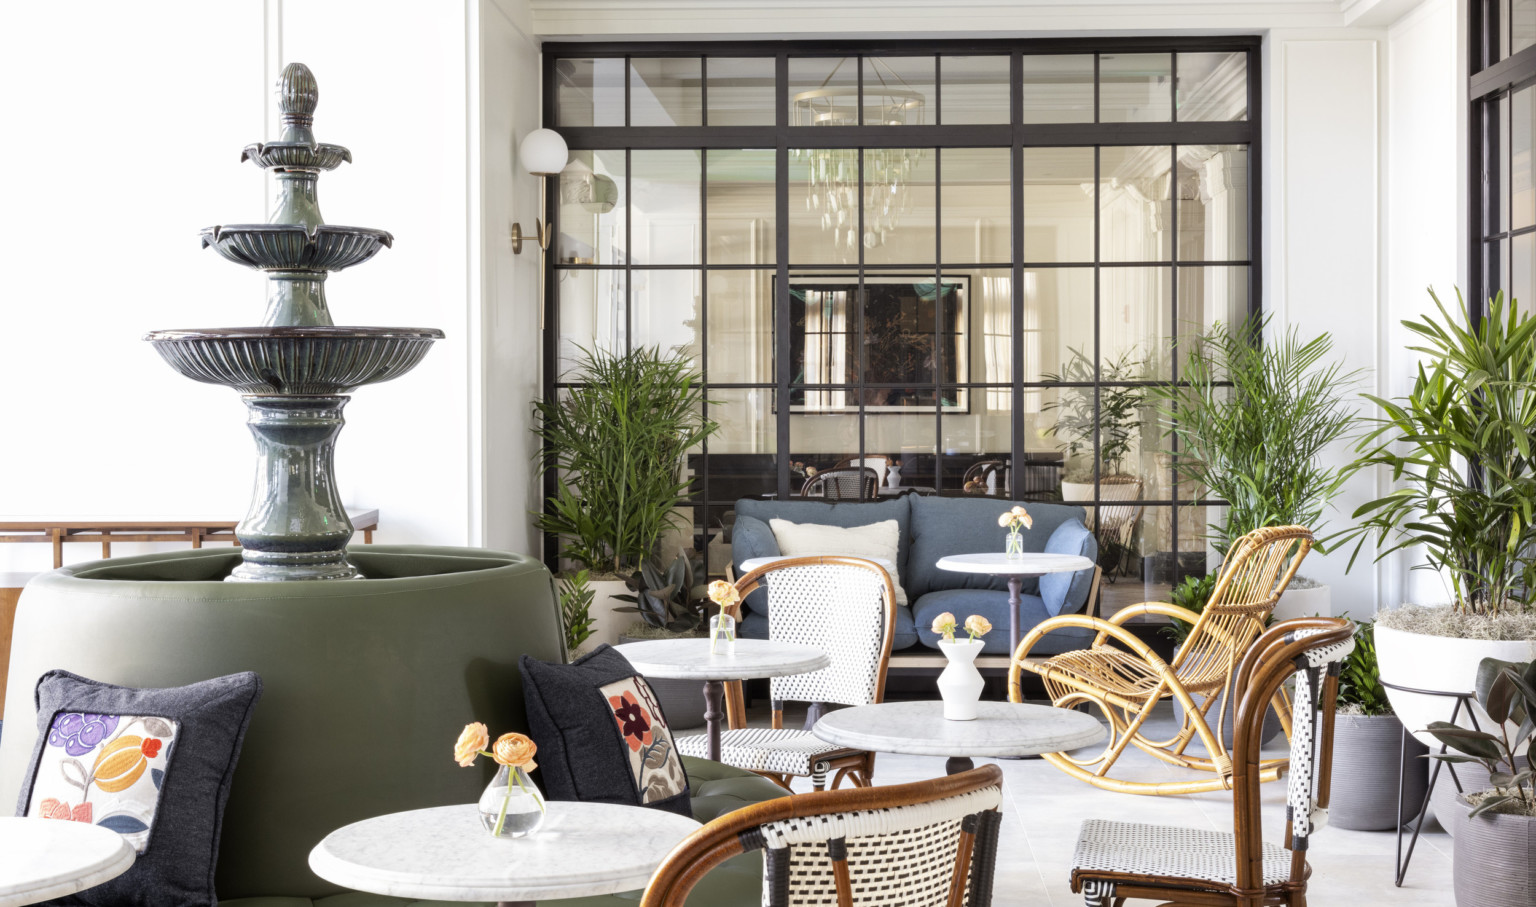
(904, 856)
(851, 483)
(841, 606)
(1312, 668)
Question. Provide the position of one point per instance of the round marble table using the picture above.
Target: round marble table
(1000, 729)
(1014, 570)
(50, 858)
(445, 854)
(690, 659)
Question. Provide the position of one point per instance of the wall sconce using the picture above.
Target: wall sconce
(543, 154)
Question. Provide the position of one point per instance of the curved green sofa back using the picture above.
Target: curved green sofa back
(367, 683)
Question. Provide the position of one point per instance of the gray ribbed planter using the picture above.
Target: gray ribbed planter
(1495, 859)
(682, 701)
(1366, 753)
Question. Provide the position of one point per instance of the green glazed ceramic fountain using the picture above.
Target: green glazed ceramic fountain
(296, 369)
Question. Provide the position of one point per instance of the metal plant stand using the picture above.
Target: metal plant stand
(1463, 701)
(296, 370)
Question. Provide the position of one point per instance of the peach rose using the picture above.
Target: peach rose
(515, 750)
(976, 625)
(472, 740)
(723, 593)
(944, 625)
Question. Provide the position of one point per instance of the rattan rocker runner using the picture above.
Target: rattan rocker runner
(844, 606)
(926, 844)
(1116, 861)
(1125, 681)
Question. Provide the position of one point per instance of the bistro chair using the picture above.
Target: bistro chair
(1115, 525)
(986, 477)
(878, 463)
(1126, 680)
(924, 844)
(1116, 861)
(851, 483)
(844, 606)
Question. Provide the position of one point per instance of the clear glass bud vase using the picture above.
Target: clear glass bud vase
(722, 635)
(1014, 548)
(511, 806)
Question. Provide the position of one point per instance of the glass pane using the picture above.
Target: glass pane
(741, 91)
(1057, 332)
(1058, 88)
(977, 429)
(592, 313)
(1134, 88)
(1522, 210)
(975, 89)
(1504, 281)
(665, 91)
(819, 442)
(913, 336)
(1213, 87)
(1522, 280)
(740, 200)
(740, 305)
(589, 92)
(1058, 204)
(824, 205)
(666, 312)
(1213, 203)
(823, 91)
(1500, 151)
(1133, 203)
(905, 440)
(1211, 295)
(823, 338)
(665, 207)
(898, 91)
(989, 346)
(899, 210)
(1129, 467)
(592, 209)
(1163, 551)
(1522, 25)
(1504, 30)
(1134, 323)
(1035, 475)
(977, 206)
(746, 427)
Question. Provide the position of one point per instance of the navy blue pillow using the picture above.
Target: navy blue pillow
(601, 734)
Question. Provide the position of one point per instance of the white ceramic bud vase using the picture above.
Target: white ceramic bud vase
(960, 684)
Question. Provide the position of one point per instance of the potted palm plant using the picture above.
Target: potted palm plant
(1367, 748)
(1115, 415)
(1252, 420)
(1459, 448)
(616, 439)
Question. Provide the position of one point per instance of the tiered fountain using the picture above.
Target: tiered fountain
(296, 369)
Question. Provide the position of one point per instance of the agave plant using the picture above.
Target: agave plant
(673, 599)
(1507, 692)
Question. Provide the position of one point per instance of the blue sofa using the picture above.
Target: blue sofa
(933, 527)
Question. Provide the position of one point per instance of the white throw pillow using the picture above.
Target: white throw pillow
(877, 542)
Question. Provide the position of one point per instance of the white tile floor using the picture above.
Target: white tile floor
(1043, 809)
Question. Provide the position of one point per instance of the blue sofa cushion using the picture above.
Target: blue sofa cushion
(994, 607)
(755, 626)
(1066, 593)
(751, 537)
(945, 526)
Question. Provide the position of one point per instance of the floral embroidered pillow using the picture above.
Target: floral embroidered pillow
(104, 770)
(653, 758)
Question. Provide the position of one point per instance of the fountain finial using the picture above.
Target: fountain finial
(298, 95)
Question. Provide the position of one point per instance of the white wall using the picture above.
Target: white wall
(101, 245)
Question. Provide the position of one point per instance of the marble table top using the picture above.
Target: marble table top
(690, 659)
(996, 563)
(920, 729)
(50, 858)
(445, 854)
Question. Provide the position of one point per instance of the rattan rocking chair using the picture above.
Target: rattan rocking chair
(845, 606)
(925, 844)
(1126, 681)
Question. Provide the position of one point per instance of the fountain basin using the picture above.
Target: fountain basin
(294, 247)
(294, 361)
(296, 156)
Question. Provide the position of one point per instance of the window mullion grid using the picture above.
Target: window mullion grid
(781, 324)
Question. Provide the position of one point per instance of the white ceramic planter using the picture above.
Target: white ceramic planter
(960, 684)
(1437, 663)
(607, 623)
(1312, 602)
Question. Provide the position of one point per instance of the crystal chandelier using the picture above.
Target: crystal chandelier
(833, 180)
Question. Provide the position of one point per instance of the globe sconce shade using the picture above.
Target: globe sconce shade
(543, 152)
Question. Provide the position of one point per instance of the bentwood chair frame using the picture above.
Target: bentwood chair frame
(925, 844)
(850, 483)
(880, 464)
(797, 614)
(1125, 681)
(1116, 861)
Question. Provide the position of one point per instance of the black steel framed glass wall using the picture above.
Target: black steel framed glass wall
(1502, 98)
(960, 263)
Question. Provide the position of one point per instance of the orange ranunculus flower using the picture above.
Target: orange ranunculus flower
(515, 750)
(976, 625)
(472, 740)
(723, 593)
